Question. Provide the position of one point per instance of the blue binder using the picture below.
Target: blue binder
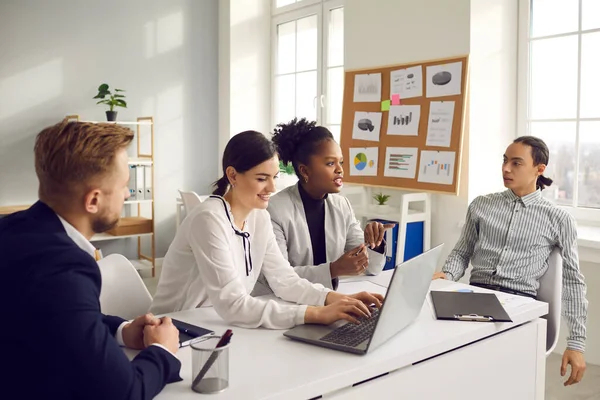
(391, 239)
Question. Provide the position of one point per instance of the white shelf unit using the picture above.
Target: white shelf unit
(414, 207)
(145, 260)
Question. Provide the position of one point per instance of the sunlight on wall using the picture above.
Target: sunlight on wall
(164, 34)
(31, 87)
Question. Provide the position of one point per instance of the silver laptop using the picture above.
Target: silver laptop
(403, 303)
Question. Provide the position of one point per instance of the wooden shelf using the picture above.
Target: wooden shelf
(142, 265)
(5, 210)
(393, 213)
(138, 201)
(99, 237)
(140, 161)
(146, 122)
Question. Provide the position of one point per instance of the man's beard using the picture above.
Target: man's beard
(103, 224)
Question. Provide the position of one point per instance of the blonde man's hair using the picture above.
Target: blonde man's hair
(71, 157)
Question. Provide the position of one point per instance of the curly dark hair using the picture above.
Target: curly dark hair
(299, 139)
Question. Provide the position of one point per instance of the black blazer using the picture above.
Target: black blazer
(54, 341)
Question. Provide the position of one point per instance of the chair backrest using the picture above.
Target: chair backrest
(190, 200)
(550, 292)
(123, 292)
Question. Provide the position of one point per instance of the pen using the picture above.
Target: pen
(224, 341)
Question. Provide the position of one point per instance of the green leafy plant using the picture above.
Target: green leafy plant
(286, 168)
(381, 198)
(113, 100)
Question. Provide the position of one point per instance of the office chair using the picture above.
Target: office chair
(123, 293)
(190, 200)
(550, 292)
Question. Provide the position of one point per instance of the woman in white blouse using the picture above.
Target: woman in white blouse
(225, 243)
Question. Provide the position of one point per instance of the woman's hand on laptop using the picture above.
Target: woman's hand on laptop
(346, 308)
(366, 298)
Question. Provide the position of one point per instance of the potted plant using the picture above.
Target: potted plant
(287, 176)
(111, 100)
(381, 199)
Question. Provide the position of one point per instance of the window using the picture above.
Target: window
(308, 62)
(559, 95)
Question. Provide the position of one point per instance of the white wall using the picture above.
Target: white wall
(244, 68)
(55, 54)
(384, 32)
(493, 91)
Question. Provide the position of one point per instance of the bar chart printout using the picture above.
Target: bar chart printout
(437, 167)
(401, 162)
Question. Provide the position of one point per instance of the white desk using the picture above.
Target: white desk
(471, 360)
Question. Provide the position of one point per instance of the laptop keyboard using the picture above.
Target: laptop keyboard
(352, 335)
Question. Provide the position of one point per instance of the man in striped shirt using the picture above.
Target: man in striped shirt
(508, 238)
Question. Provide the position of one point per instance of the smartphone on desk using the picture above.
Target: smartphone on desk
(189, 332)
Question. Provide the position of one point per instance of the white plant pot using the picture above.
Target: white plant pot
(383, 209)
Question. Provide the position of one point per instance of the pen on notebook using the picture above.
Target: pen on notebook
(224, 341)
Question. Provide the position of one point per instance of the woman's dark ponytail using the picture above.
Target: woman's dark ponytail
(221, 186)
(543, 182)
(243, 152)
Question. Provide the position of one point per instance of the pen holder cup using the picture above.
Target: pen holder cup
(210, 365)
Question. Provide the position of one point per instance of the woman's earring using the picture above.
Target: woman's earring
(306, 179)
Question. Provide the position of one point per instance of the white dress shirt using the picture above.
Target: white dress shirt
(210, 262)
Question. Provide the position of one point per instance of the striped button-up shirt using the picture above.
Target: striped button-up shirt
(508, 240)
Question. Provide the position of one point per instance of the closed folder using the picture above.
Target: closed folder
(461, 306)
(189, 332)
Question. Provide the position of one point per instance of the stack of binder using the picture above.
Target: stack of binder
(140, 182)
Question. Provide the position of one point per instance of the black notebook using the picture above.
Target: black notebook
(461, 306)
(189, 332)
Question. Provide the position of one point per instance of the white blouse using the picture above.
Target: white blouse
(210, 262)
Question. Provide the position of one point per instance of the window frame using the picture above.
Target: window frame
(293, 12)
(581, 214)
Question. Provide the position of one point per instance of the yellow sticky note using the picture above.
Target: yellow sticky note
(385, 105)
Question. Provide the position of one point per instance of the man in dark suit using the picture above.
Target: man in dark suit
(57, 344)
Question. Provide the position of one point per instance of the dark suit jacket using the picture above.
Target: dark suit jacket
(55, 343)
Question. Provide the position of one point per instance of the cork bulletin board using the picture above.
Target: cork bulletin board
(402, 125)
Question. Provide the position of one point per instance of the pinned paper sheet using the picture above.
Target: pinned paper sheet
(444, 80)
(385, 105)
(439, 125)
(437, 167)
(407, 82)
(363, 161)
(367, 88)
(366, 126)
(404, 120)
(395, 99)
(401, 162)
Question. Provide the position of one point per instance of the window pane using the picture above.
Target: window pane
(286, 47)
(306, 95)
(335, 95)
(554, 78)
(590, 14)
(590, 67)
(285, 96)
(335, 131)
(306, 52)
(551, 17)
(336, 38)
(589, 164)
(281, 3)
(560, 139)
